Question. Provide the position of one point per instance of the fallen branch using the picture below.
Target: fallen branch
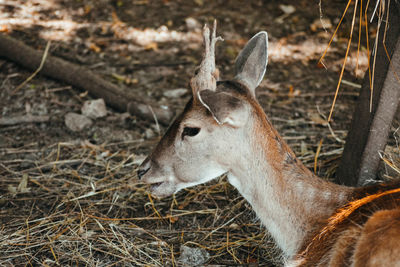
(82, 78)
(45, 53)
(23, 119)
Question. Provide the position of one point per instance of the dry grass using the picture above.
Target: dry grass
(76, 203)
(87, 208)
(82, 204)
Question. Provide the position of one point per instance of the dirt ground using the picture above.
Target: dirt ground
(73, 198)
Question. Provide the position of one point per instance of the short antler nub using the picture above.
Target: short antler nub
(207, 75)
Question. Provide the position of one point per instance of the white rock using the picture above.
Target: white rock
(149, 133)
(94, 108)
(76, 122)
(175, 93)
(287, 9)
(193, 256)
(192, 24)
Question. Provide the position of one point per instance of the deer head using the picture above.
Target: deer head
(201, 144)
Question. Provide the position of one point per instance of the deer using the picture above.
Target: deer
(224, 130)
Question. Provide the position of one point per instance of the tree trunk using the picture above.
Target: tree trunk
(370, 128)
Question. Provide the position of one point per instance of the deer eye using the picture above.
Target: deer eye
(190, 131)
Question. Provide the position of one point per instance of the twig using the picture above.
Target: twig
(23, 119)
(344, 62)
(373, 13)
(334, 33)
(155, 120)
(321, 15)
(317, 154)
(46, 51)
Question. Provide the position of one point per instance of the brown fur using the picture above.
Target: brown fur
(366, 232)
(331, 225)
(343, 248)
(379, 243)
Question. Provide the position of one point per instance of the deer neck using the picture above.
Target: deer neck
(288, 198)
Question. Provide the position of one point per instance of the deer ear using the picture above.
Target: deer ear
(252, 61)
(224, 107)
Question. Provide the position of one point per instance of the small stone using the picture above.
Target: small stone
(76, 122)
(193, 256)
(94, 108)
(192, 24)
(287, 9)
(39, 109)
(149, 133)
(175, 93)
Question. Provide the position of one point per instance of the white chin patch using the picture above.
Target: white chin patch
(163, 189)
(168, 188)
(208, 176)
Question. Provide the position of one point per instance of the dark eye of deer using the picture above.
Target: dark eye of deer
(190, 131)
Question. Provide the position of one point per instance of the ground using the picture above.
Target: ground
(73, 198)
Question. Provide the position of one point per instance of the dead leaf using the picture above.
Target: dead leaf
(141, 2)
(94, 48)
(323, 23)
(104, 28)
(125, 79)
(4, 28)
(115, 19)
(199, 2)
(303, 148)
(231, 52)
(83, 94)
(287, 11)
(87, 9)
(173, 219)
(151, 46)
(292, 92)
(12, 189)
(320, 65)
(317, 119)
(23, 185)
(234, 226)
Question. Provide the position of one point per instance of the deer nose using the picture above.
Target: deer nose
(143, 168)
(142, 171)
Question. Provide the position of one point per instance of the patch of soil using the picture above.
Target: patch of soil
(73, 198)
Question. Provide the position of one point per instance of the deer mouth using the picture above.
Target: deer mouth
(155, 186)
(162, 189)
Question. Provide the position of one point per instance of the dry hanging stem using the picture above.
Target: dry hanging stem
(207, 75)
